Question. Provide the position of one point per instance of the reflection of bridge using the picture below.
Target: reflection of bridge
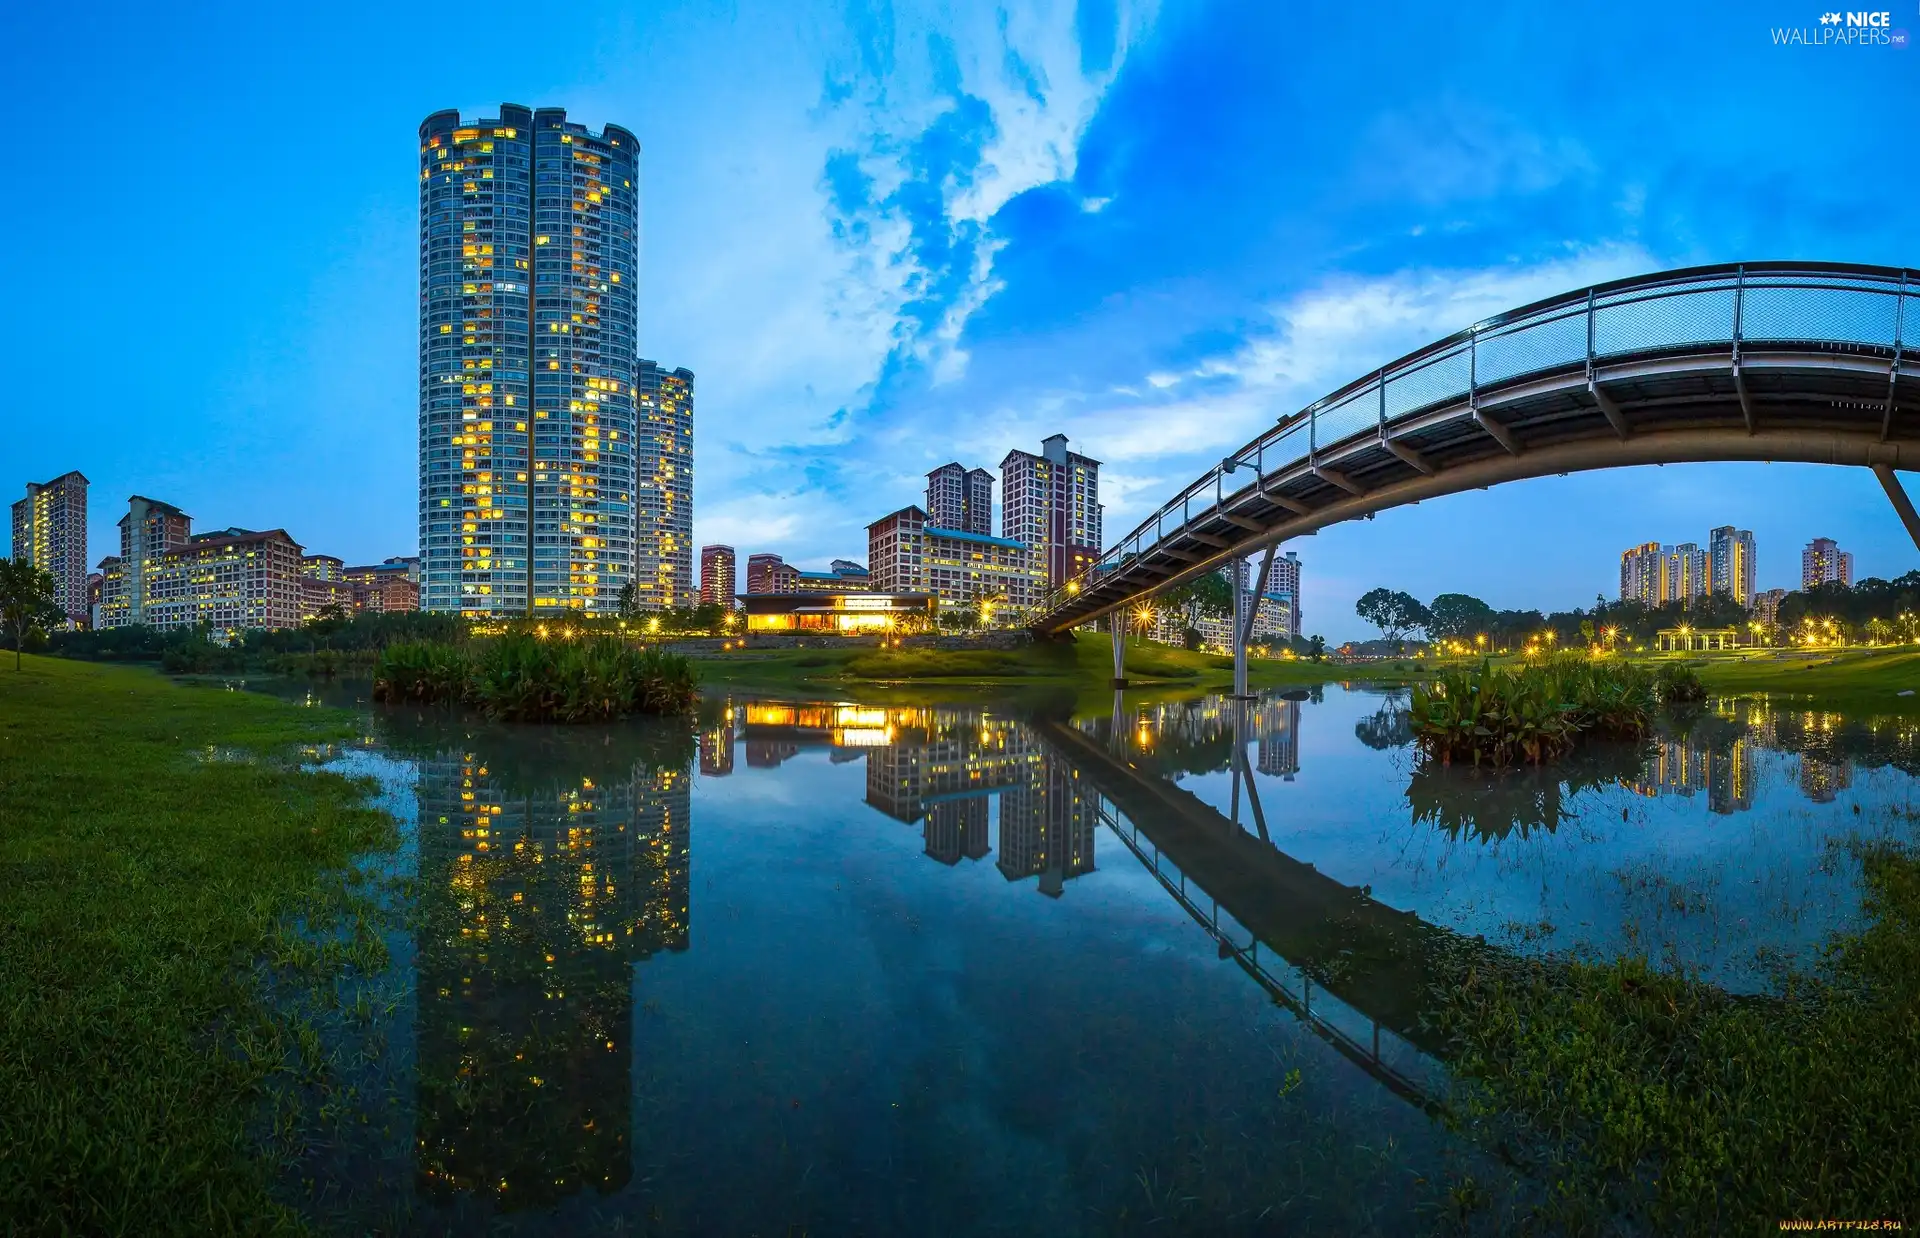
(1781, 361)
(1378, 962)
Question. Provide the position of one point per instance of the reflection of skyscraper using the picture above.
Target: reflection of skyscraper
(1823, 778)
(716, 750)
(1279, 728)
(769, 754)
(536, 897)
(1047, 825)
(957, 828)
(955, 753)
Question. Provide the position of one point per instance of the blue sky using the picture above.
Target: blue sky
(885, 236)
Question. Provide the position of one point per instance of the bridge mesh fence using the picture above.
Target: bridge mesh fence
(1676, 320)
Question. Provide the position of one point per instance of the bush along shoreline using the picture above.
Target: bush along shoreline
(521, 677)
(1502, 717)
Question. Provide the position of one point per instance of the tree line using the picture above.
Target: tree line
(1872, 609)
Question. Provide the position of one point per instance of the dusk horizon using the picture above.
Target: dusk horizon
(894, 240)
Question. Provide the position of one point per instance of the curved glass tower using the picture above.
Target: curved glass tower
(528, 248)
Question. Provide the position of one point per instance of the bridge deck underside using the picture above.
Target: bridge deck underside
(1811, 401)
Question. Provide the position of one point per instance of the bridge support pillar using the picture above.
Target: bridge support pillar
(1242, 628)
(1116, 623)
(1901, 503)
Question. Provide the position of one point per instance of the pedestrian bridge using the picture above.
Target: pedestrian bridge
(1788, 361)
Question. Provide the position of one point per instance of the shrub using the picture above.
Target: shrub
(1678, 684)
(522, 678)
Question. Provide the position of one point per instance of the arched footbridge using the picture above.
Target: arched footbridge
(1784, 361)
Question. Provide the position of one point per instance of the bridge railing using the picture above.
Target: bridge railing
(1856, 308)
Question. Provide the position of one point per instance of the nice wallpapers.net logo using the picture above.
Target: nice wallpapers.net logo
(1870, 28)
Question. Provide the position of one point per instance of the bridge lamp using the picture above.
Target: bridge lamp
(1073, 587)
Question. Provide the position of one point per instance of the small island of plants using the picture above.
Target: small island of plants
(523, 677)
(1505, 716)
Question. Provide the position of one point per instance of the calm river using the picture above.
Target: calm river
(833, 968)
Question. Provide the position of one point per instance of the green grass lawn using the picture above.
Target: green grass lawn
(1851, 674)
(1086, 660)
(147, 870)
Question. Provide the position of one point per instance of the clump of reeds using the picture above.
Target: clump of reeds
(1502, 716)
(521, 677)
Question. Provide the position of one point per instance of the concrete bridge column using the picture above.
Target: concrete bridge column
(1116, 623)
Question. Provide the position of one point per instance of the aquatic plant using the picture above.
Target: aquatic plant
(520, 677)
(1679, 684)
(1500, 716)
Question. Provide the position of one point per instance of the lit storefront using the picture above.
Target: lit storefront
(833, 612)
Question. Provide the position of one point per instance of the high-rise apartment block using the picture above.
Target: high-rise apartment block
(1641, 573)
(50, 532)
(1052, 502)
(908, 553)
(717, 576)
(1654, 575)
(528, 267)
(1823, 562)
(769, 573)
(663, 487)
(960, 498)
(1733, 560)
(1277, 612)
(1766, 606)
(1686, 573)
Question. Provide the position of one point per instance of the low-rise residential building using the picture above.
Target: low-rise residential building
(849, 612)
(910, 555)
(384, 587)
(167, 576)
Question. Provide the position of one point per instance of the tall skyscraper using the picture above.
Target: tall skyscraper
(50, 532)
(717, 576)
(1686, 573)
(1052, 502)
(1641, 571)
(1733, 557)
(663, 529)
(528, 259)
(960, 498)
(1823, 562)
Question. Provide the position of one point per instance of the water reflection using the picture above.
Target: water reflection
(552, 865)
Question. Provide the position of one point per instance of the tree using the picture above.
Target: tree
(1208, 596)
(1458, 616)
(1317, 647)
(1394, 612)
(629, 600)
(26, 601)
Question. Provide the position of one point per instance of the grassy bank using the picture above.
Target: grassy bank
(1643, 1092)
(148, 868)
(1083, 661)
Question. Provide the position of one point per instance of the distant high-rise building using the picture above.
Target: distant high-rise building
(1641, 572)
(50, 532)
(663, 533)
(1277, 613)
(769, 573)
(148, 532)
(528, 274)
(1052, 502)
(1766, 606)
(1686, 573)
(1732, 553)
(1823, 562)
(960, 498)
(716, 576)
